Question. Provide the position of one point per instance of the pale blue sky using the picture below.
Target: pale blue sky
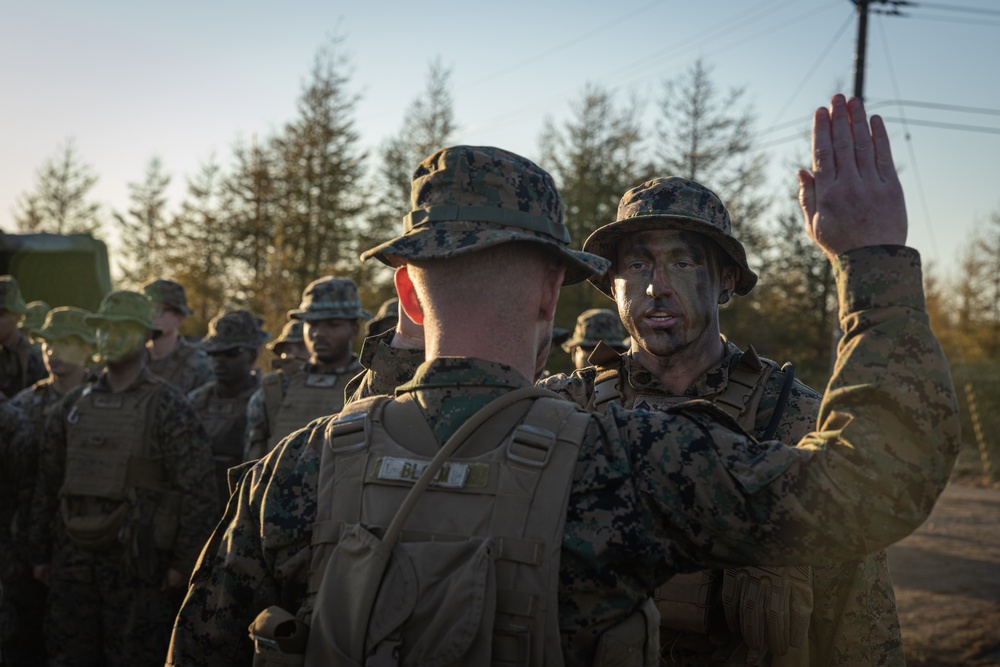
(181, 80)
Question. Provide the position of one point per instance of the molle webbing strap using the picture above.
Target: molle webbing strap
(272, 390)
(744, 388)
(608, 363)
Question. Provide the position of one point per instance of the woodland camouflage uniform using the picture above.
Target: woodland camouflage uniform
(854, 621)
(652, 494)
(105, 602)
(20, 364)
(187, 366)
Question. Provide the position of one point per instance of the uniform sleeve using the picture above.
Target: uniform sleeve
(577, 387)
(188, 458)
(51, 472)
(257, 557)
(255, 441)
(887, 440)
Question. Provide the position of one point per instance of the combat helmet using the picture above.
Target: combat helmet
(671, 203)
(468, 198)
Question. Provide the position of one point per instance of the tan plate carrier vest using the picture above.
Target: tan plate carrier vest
(309, 396)
(108, 438)
(421, 557)
(685, 601)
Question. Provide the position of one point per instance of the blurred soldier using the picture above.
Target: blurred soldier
(474, 519)
(67, 344)
(20, 633)
(177, 361)
(124, 500)
(20, 365)
(385, 319)
(233, 341)
(289, 348)
(592, 327)
(330, 311)
(34, 318)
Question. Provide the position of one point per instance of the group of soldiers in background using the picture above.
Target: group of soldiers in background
(117, 434)
(109, 525)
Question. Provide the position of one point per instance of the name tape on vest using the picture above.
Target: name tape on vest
(392, 468)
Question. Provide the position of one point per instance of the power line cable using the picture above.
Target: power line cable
(936, 105)
(815, 66)
(963, 21)
(954, 8)
(978, 129)
(909, 139)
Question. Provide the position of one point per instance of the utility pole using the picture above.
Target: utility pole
(862, 47)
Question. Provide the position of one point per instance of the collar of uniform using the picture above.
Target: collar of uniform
(445, 372)
(711, 382)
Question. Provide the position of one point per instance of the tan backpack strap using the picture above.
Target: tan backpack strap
(608, 362)
(744, 389)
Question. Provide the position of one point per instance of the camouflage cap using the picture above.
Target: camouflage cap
(35, 317)
(123, 306)
(64, 322)
(169, 293)
(292, 332)
(595, 325)
(10, 296)
(467, 198)
(671, 203)
(385, 319)
(330, 298)
(235, 328)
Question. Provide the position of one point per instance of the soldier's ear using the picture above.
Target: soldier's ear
(408, 296)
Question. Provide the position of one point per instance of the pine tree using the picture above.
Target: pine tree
(59, 203)
(145, 232)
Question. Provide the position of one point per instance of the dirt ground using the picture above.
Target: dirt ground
(947, 580)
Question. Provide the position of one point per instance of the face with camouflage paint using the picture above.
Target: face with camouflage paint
(116, 340)
(667, 284)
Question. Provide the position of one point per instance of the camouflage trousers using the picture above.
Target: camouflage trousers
(25, 645)
(97, 615)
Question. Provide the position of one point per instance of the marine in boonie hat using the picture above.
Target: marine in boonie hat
(123, 306)
(34, 318)
(65, 322)
(292, 332)
(10, 296)
(169, 293)
(671, 203)
(234, 329)
(330, 298)
(467, 198)
(386, 318)
(596, 325)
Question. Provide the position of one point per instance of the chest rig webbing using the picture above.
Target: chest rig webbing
(308, 397)
(109, 452)
(469, 566)
(684, 602)
(225, 420)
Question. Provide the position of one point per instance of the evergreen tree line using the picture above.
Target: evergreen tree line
(307, 199)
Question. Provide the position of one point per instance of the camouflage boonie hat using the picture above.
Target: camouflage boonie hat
(671, 203)
(235, 328)
(595, 325)
(169, 293)
(386, 318)
(65, 322)
(35, 317)
(330, 298)
(292, 332)
(123, 306)
(10, 296)
(559, 335)
(468, 198)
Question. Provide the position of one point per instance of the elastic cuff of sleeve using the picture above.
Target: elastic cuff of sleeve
(878, 277)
